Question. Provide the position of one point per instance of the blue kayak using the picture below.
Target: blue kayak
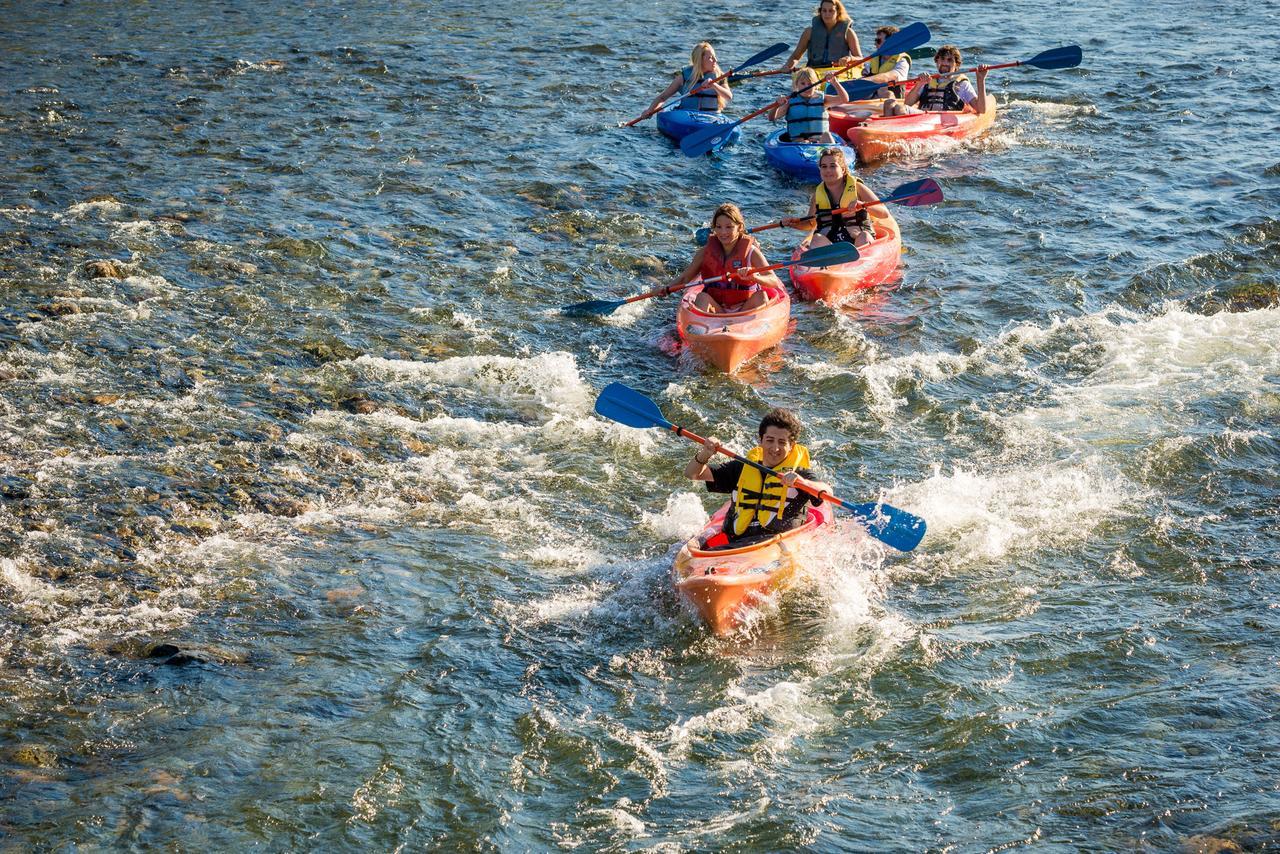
(800, 159)
(678, 124)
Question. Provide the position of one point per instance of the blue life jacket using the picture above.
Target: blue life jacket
(806, 117)
(827, 47)
(707, 100)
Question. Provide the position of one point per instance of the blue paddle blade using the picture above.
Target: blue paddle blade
(858, 90)
(904, 40)
(594, 306)
(923, 192)
(829, 256)
(701, 236)
(625, 405)
(891, 526)
(1059, 57)
(768, 53)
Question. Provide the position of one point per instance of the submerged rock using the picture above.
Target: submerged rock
(35, 756)
(105, 270)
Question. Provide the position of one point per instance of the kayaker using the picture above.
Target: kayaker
(829, 38)
(806, 114)
(946, 91)
(763, 505)
(729, 248)
(887, 69)
(840, 188)
(711, 99)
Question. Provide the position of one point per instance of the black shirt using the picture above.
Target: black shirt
(725, 480)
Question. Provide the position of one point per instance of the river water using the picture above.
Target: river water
(311, 539)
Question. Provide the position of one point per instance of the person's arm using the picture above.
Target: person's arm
(807, 222)
(756, 259)
(672, 88)
(779, 110)
(916, 91)
(851, 39)
(866, 194)
(980, 103)
(692, 270)
(790, 479)
(801, 47)
(840, 97)
(698, 468)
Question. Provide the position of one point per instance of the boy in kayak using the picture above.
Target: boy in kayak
(806, 114)
(712, 99)
(887, 69)
(945, 91)
(763, 505)
(727, 250)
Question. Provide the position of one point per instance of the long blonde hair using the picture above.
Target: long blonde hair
(841, 14)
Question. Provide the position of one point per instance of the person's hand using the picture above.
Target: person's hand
(780, 101)
(789, 479)
(982, 72)
(791, 63)
(708, 450)
(829, 77)
(923, 79)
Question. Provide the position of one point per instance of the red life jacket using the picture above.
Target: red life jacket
(716, 263)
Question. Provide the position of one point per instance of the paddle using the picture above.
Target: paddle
(914, 194)
(766, 54)
(886, 523)
(1049, 60)
(709, 139)
(823, 256)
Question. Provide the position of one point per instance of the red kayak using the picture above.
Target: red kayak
(884, 136)
(877, 263)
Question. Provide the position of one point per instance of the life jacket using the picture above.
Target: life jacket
(827, 47)
(937, 96)
(716, 263)
(806, 117)
(707, 100)
(829, 222)
(762, 498)
(884, 64)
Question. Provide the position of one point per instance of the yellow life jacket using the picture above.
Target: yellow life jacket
(848, 198)
(761, 498)
(880, 64)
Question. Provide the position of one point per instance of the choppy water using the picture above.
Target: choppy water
(310, 537)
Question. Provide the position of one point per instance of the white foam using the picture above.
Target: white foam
(683, 517)
(103, 208)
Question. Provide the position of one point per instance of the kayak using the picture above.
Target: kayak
(724, 584)
(799, 159)
(877, 262)
(847, 115)
(882, 136)
(729, 339)
(678, 124)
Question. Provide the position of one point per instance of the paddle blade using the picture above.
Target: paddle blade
(708, 139)
(594, 306)
(828, 256)
(1059, 57)
(923, 192)
(701, 236)
(861, 89)
(904, 40)
(625, 405)
(891, 526)
(768, 53)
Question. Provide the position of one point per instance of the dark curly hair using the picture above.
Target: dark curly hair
(784, 418)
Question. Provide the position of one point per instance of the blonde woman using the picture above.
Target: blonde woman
(806, 110)
(828, 39)
(729, 248)
(712, 99)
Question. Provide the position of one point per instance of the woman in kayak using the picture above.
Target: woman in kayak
(945, 91)
(887, 69)
(729, 248)
(840, 188)
(712, 99)
(806, 111)
(763, 505)
(829, 38)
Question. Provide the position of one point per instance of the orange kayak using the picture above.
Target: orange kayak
(877, 263)
(882, 136)
(852, 113)
(729, 339)
(724, 584)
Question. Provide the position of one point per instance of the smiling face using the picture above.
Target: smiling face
(827, 11)
(831, 168)
(946, 64)
(726, 230)
(776, 444)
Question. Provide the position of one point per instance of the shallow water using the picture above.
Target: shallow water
(311, 538)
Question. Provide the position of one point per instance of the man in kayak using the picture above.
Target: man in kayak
(762, 505)
(945, 91)
(887, 69)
